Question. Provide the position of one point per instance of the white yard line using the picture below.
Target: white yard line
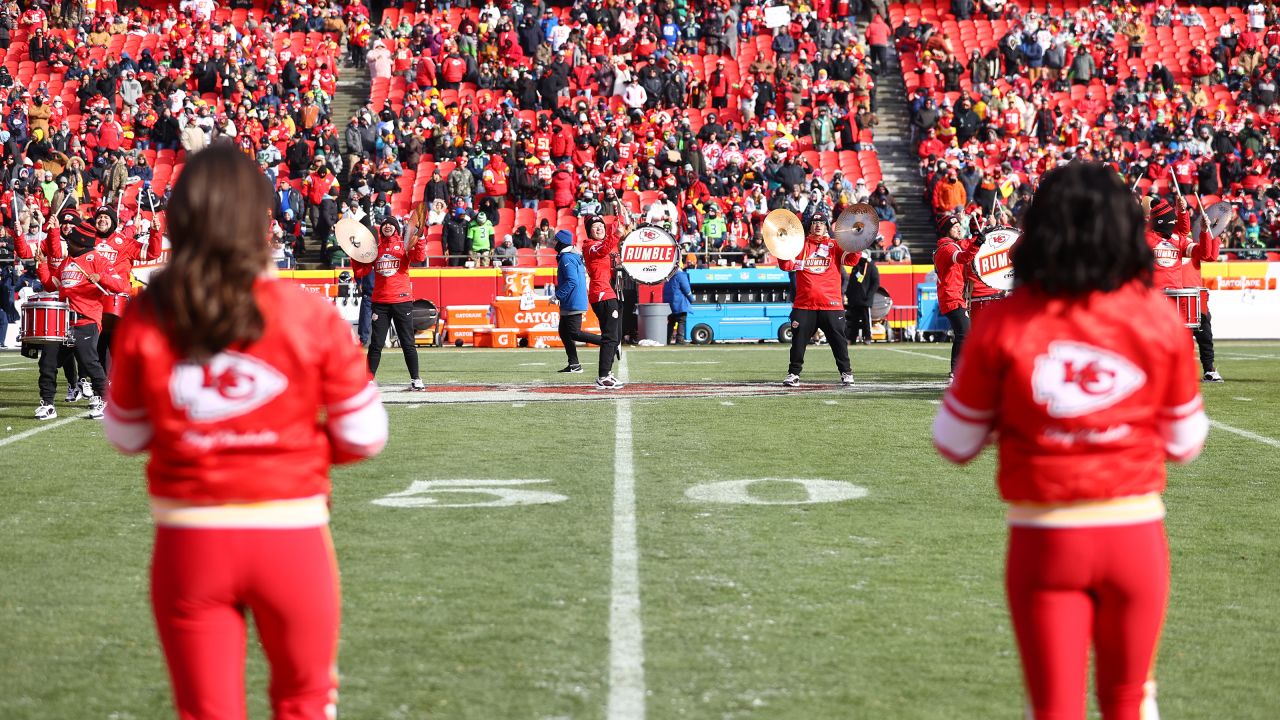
(11, 369)
(41, 428)
(913, 352)
(626, 634)
(1246, 434)
(1240, 356)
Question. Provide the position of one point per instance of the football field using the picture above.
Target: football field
(703, 543)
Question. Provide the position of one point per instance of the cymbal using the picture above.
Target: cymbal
(783, 234)
(356, 240)
(1220, 215)
(857, 228)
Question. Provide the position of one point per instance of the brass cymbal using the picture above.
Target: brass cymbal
(783, 234)
(857, 228)
(356, 240)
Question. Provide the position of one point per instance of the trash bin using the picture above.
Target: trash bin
(653, 322)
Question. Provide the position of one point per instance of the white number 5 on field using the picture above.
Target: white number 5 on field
(463, 493)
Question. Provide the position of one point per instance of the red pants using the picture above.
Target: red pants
(1070, 587)
(203, 581)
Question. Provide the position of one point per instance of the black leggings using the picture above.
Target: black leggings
(571, 333)
(959, 319)
(54, 355)
(1204, 340)
(831, 322)
(609, 313)
(384, 315)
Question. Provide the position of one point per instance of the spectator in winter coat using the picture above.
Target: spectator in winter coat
(461, 183)
(678, 294)
(455, 237)
(860, 294)
(949, 194)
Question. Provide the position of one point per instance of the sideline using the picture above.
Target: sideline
(626, 635)
(1245, 434)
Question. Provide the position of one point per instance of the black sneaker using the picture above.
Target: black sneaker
(571, 369)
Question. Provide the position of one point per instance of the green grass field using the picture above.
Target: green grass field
(860, 577)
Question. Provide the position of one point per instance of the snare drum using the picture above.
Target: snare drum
(45, 319)
(114, 304)
(979, 304)
(1187, 300)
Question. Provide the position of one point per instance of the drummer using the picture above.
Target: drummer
(81, 279)
(50, 249)
(979, 290)
(953, 255)
(1168, 237)
(123, 251)
(1206, 251)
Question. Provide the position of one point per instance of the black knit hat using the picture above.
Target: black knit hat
(1163, 218)
(946, 223)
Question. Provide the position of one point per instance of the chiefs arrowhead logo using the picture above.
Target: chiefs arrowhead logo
(1075, 379)
(228, 385)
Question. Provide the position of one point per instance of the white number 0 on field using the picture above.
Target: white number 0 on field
(445, 494)
(738, 492)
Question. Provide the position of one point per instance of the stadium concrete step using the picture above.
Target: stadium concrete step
(352, 94)
(899, 164)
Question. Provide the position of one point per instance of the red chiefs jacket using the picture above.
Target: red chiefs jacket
(391, 283)
(72, 281)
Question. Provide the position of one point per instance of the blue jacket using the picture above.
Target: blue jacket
(571, 281)
(677, 293)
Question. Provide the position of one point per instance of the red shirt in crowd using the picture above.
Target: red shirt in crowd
(245, 426)
(819, 285)
(1088, 396)
(391, 283)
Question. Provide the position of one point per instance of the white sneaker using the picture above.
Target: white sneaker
(46, 411)
(86, 387)
(846, 379)
(608, 382)
(791, 380)
(417, 385)
(74, 394)
(97, 409)
(1212, 377)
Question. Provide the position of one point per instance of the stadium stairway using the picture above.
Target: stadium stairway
(352, 94)
(899, 164)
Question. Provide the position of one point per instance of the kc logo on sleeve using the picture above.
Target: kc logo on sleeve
(1075, 379)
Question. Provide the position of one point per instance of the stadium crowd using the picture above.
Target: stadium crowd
(697, 117)
(1179, 99)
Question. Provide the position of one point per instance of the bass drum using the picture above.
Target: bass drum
(649, 255)
(994, 262)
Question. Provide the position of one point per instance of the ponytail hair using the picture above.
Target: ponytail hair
(219, 220)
